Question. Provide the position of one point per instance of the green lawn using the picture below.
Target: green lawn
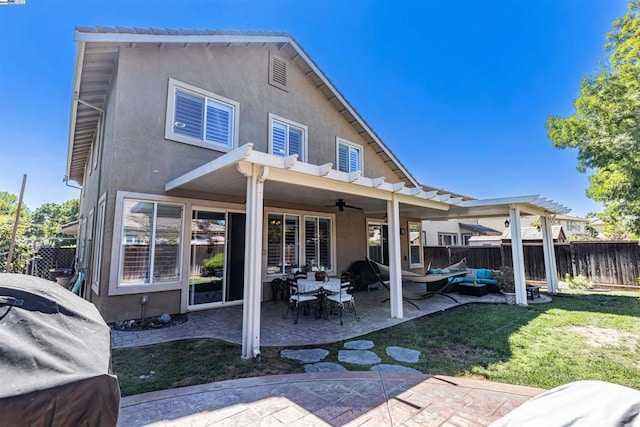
(579, 335)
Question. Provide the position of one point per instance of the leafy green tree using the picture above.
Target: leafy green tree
(50, 217)
(605, 128)
(8, 208)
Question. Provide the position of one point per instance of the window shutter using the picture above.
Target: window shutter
(295, 142)
(189, 115)
(279, 139)
(343, 158)
(219, 119)
(354, 159)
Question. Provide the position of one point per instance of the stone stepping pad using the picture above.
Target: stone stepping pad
(324, 367)
(402, 354)
(359, 345)
(358, 357)
(305, 356)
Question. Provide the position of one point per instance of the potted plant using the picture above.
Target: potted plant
(507, 284)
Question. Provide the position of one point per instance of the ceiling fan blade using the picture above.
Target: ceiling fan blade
(352, 207)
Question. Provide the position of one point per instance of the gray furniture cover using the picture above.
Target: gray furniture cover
(581, 403)
(55, 357)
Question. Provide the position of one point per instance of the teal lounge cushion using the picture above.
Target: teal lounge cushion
(483, 273)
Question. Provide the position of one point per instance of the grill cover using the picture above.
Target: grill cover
(55, 357)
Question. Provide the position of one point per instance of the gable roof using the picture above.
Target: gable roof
(96, 60)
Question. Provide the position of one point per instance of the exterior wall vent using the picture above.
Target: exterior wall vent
(278, 72)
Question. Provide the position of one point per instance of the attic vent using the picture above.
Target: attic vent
(278, 72)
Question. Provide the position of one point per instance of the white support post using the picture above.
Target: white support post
(550, 267)
(253, 262)
(395, 258)
(518, 256)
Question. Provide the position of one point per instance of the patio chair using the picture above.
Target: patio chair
(297, 299)
(344, 297)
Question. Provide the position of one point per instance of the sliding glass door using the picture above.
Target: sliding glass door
(378, 242)
(216, 272)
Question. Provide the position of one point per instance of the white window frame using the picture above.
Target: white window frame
(454, 235)
(81, 241)
(350, 146)
(96, 266)
(174, 86)
(419, 244)
(115, 288)
(301, 228)
(289, 123)
(465, 238)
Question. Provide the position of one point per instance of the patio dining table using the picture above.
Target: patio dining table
(310, 285)
(321, 288)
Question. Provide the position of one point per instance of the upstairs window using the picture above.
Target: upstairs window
(196, 116)
(287, 138)
(349, 156)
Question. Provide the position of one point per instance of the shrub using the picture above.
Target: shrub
(505, 279)
(578, 282)
(213, 264)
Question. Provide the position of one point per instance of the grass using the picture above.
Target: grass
(580, 335)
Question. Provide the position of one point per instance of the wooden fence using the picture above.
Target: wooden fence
(606, 262)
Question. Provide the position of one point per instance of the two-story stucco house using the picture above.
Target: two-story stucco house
(213, 162)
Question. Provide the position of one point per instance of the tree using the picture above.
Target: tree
(8, 209)
(49, 218)
(605, 128)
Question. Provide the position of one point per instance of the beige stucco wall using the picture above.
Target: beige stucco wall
(138, 158)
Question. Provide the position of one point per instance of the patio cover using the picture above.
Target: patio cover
(254, 177)
(55, 357)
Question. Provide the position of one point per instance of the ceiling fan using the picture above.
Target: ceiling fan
(341, 205)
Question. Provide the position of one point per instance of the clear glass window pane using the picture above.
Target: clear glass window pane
(279, 140)
(324, 242)
(310, 244)
(219, 123)
(295, 142)
(136, 241)
(291, 242)
(274, 244)
(189, 115)
(166, 261)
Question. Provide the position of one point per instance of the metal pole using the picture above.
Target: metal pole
(12, 245)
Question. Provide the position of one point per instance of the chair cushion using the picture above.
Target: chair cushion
(303, 298)
(341, 297)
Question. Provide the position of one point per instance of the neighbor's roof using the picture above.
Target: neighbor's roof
(96, 60)
(477, 228)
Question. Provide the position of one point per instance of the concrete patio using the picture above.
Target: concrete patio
(226, 323)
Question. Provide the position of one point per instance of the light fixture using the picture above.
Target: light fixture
(538, 228)
(506, 223)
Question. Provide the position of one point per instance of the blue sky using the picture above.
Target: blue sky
(458, 90)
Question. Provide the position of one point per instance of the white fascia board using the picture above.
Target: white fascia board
(407, 199)
(226, 160)
(176, 38)
(74, 104)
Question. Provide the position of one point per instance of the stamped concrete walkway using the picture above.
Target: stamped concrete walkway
(226, 323)
(348, 398)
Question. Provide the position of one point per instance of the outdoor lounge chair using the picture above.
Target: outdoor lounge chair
(436, 284)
